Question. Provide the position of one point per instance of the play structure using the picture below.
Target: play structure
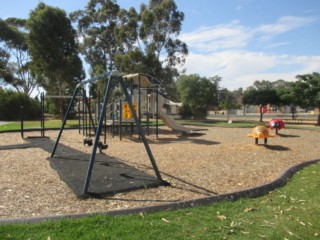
(276, 124)
(147, 102)
(126, 83)
(150, 103)
(130, 102)
(260, 132)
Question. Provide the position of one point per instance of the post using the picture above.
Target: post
(79, 116)
(42, 115)
(97, 136)
(139, 102)
(120, 119)
(21, 120)
(83, 111)
(64, 122)
(141, 133)
(147, 111)
(91, 122)
(157, 113)
(112, 111)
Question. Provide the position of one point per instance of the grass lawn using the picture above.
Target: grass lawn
(74, 123)
(54, 124)
(291, 212)
(36, 124)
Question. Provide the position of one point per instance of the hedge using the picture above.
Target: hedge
(10, 106)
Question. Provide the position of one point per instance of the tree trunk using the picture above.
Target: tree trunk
(61, 108)
(318, 122)
(293, 110)
(261, 113)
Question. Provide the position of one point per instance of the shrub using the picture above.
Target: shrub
(10, 105)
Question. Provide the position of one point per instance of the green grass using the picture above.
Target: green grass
(49, 124)
(36, 124)
(291, 212)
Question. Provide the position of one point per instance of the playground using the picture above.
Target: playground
(213, 162)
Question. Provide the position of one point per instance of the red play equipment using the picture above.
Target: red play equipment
(276, 124)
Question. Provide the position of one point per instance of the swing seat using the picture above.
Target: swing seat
(87, 141)
(102, 146)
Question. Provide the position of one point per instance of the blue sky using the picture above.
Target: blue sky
(239, 40)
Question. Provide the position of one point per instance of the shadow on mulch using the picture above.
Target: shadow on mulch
(277, 148)
(109, 175)
(181, 138)
(288, 135)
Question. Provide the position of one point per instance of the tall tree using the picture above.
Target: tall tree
(131, 41)
(15, 60)
(54, 50)
(103, 30)
(97, 28)
(162, 52)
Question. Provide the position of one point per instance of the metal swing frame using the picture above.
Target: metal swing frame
(112, 76)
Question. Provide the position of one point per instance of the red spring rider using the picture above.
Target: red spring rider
(276, 124)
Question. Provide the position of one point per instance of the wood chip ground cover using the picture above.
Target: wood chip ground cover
(223, 160)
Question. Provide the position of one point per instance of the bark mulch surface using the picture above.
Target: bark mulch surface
(222, 160)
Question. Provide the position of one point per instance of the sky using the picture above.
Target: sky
(240, 40)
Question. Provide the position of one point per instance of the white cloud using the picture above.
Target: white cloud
(285, 24)
(242, 68)
(224, 50)
(274, 45)
(236, 36)
(224, 36)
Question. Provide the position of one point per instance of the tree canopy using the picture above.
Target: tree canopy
(14, 57)
(229, 99)
(54, 50)
(197, 93)
(133, 41)
(307, 90)
(260, 97)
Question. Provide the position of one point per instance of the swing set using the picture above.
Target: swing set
(131, 110)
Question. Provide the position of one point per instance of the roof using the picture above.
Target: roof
(146, 81)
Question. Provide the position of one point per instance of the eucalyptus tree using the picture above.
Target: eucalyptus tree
(162, 53)
(54, 50)
(97, 30)
(101, 35)
(14, 57)
(132, 41)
